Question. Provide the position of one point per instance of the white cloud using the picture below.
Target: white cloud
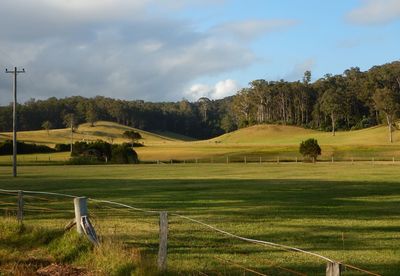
(298, 70)
(251, 29)
(373, 12)
(117, 48)
(220, 90)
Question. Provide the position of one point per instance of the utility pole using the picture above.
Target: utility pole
(15, 72)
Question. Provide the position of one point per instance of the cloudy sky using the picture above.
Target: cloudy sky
(163, 50)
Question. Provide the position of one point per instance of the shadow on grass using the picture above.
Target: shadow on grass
(305, 213)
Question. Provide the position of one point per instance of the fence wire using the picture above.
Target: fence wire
(193, 245)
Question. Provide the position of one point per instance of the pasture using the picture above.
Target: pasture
(347, 212)
(269, 142)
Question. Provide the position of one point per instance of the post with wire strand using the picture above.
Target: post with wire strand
(15, 72)
(20, 212)
(162, 250)
(333, 269)
(80, 204)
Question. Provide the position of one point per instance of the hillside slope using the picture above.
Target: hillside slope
(107, 131)
(291, 135)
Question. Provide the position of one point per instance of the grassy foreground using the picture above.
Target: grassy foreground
(345, 212)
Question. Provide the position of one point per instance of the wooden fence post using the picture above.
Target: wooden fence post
(393, 160)
(277, 160)
(333, 269)
(245, 160)
(80, 205)
(332, 158)
(20, 212)
(227, 160)
(296, 159)
(260, 160)
(162, 250)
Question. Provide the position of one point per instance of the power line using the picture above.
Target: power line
(15, 72)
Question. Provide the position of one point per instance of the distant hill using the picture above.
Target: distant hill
(290, 135)
(107, 131)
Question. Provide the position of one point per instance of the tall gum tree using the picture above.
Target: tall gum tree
(387, 101)
(331, 105)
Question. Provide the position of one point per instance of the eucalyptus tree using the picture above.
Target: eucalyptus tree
(332, 105)
(47, 125)
(387, 101)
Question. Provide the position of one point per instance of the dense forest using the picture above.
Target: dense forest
(352, 100)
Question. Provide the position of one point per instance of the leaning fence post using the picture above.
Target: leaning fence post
(162, 250)
(333, 269)
(80, 204)
(20, 212)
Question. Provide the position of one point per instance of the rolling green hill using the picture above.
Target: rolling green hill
(291, 135)
(107, 131)
(266, 141)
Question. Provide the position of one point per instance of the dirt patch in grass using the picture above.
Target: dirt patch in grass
(62, 270)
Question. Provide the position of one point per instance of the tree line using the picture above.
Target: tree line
(352, 100)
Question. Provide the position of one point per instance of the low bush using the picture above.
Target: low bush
(83, 160)
(6, 148)
(124, 154)
(62, 147)
(84, 153)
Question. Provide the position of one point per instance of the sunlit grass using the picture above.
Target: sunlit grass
(348, 212)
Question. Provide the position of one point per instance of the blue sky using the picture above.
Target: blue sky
(323, 39)
(168, 50)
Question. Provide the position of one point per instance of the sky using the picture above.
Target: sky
(169, 50)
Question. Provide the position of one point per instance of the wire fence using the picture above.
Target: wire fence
(387, 158)
(192, 246)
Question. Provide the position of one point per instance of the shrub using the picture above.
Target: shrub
(98, 150)
(62, 147)
(310, 149)
(6, 148)
(83, 160)
(123, 154)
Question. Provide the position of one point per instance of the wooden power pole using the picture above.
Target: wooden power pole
(15, 72)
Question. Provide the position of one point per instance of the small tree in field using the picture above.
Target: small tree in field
(133, 136)
(47, 126)
(310, 149)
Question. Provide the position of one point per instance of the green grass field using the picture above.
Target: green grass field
(348, 212)
(269, 142)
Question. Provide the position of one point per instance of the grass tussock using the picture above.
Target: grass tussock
(24, 249)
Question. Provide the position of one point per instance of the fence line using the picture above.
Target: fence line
(240, 266)
(124, 205)
(254, 241)
(271, 244)
(38, 192)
